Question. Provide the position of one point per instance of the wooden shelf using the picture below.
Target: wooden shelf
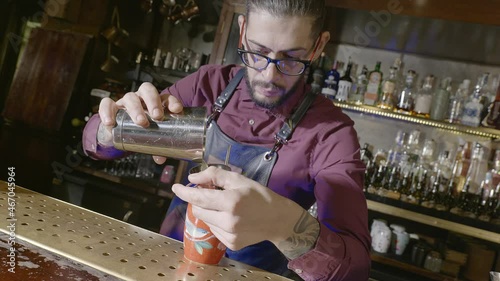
(455, 128)
(433, 221)
(383, 259)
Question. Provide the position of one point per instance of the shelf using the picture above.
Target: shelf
(461, 228)
(153, 186)
(456, 128)
(386, 260)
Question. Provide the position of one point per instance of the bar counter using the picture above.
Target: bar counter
(55, 240)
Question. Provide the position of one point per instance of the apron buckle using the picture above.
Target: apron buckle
(277, 145)
(216, 110)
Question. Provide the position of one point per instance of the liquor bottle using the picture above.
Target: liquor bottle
(474, 203)
(373, 88)
(478, 168)
(329, 87)
(463, 200)
(418, 189)
(404, 185)
(400, 77)
(488, 204)
(357, 95)
(390, 185)
(319, 74)
(394, 154)
(377, 179)
(495, 171)
(424, 98)
(431, 197)
(365, 153)
(335, 74)
(457, 101)
(471, 115)
(345, 84)
(441, 100)
(369, 173)
(446, 199)
(405, 102)
(388, 90)
(492, 119)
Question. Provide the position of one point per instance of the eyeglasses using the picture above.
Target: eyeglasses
(257, 61)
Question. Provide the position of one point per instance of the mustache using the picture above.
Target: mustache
(267, 85)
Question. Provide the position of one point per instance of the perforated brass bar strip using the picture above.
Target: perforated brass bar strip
(109, 245)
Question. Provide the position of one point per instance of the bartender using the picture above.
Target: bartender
(288, 148)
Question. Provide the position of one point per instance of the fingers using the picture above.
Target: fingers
(107, 111)
(159, 159)
(148, 93)
(173, 104)
(133, 102)
(210, 199)
(216, 176)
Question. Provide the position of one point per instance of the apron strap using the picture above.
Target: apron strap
(286, 130)
(226, 94)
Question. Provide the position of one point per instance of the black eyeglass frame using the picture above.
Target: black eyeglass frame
(242, 52)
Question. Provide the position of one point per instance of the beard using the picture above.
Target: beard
(270, 104)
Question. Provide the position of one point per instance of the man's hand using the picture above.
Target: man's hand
(146, 97)
(245, 213)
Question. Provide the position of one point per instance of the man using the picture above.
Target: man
(281, 171)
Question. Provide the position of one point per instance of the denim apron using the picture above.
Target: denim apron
(252, 161)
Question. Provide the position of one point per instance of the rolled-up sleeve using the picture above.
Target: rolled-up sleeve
(342, 251)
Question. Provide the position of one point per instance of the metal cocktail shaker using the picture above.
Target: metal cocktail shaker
(180, 136)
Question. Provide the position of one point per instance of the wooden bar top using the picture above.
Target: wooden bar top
(48, 239)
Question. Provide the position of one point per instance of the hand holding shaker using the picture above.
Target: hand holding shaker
(200, 244)
(180, 136)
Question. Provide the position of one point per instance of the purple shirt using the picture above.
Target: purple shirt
(319, 163)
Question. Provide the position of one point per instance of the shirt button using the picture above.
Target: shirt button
(251, 122)
(298, 271)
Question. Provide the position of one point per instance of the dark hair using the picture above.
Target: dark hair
(314, 9)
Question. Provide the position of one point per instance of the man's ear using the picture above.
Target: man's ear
(241, 23)
(323, 40)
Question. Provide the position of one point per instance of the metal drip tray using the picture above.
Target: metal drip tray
(111, 246)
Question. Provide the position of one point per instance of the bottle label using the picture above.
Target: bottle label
(328, 92)
(388, 87)
(344, 89)
(423, 104)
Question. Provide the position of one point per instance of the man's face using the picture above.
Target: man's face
(276, 38)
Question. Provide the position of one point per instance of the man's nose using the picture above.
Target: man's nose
(271, 73)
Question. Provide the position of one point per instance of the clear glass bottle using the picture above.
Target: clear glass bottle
(477, 169)
(394, 154)
(457, 101)
(388, 90)
(424, 97)
(406, 97)
(357, 95)
(471, 115)
(373, 88)
(441, 100)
